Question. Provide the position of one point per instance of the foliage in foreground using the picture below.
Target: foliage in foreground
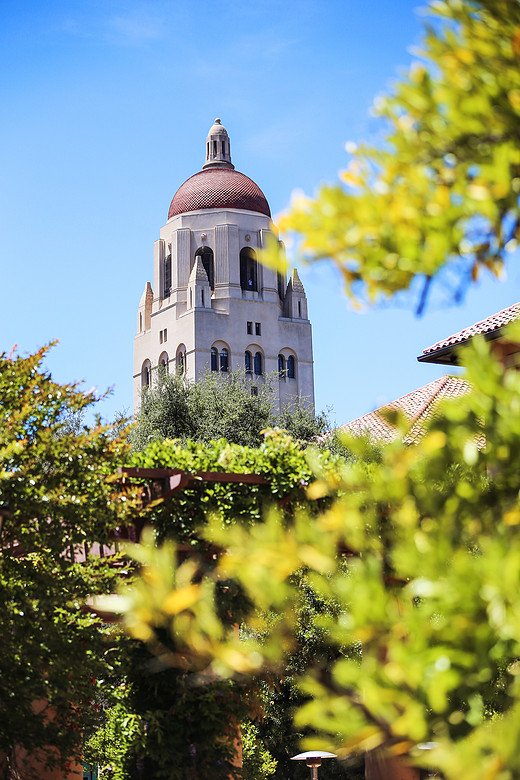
(420, 553)
(437, 198)
(431, 590)
(152, 717)
(219, 406)
(157, 722)
(55, 499)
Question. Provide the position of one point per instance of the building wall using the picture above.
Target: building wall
(222, 321)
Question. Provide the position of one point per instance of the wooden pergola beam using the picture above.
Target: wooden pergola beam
(174, 479)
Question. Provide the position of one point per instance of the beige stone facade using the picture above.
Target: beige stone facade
(212, 305)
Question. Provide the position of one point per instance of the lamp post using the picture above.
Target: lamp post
(313, 760)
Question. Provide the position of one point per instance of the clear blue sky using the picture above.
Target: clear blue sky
(105, 109)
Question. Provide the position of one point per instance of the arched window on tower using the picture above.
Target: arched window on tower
(220, 357)
(206, 255)
(146, 374)
(258, 363)
(248, 269)
(281, 366)
(167, 275)
(248, 361)
(291, 367)
(180, 360)
(224, 359)
(163, 362)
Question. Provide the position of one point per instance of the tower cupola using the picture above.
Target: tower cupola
(218, 185)
(218, 148)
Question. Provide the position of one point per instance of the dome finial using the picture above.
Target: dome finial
(218, 148)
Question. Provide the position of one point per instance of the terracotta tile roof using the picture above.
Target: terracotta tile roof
(483, 327)
(418, 406)
(218, 188)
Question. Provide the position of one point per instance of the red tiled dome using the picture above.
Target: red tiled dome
(219, 188)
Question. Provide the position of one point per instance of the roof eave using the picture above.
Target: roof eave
(448, 356)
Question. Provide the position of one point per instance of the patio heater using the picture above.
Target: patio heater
(313, 759)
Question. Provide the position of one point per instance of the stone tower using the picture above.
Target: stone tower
(213, 306)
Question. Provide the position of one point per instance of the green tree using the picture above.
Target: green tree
(219, 407)
(437, 198)
(155, 696)
(258, 764)
(55, 500)
(160, 722)
(420, 554)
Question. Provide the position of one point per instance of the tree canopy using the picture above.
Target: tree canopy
(219, 406)
(163, 716)
(68, 684)
(55, 500)
(437, 197)
(418, 556)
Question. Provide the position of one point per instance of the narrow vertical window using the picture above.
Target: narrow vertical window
(224, 360)
(299, 309)
(281, 366)
(250, 328)
(291, 373)
(258, 328)
(202, 297)
(248, 269)
(167, 275)
(258, 363)
(163, 363)
(214, 359)
(248, 362)
(281, 285)
(145, 374)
